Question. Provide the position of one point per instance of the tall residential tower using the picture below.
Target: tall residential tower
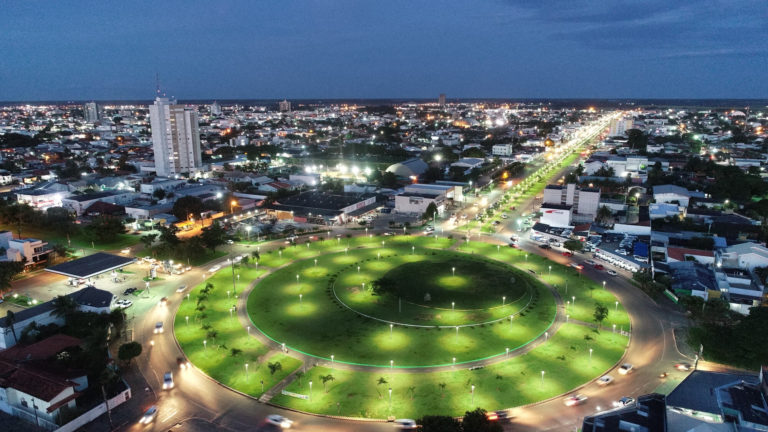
(175, 138)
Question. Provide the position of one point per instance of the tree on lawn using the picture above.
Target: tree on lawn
(412, 391)
(299, 375)
(434, 423)
(477, 421)
(601, 313)
(383, 286)
(187, 207)
(325, 379)
(604, 215)
(430, 212)
(442, 388)
(274, 367)
(379, 382)
(9, 270)
(213, 236)
(234, 352)
(128, 351)
(148, 239)
(104, 229)
(573, 245)
(63, 307)
(59, 250)
(212, 334)
(10, 319)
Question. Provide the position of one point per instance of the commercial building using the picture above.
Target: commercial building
(284, 106)
(441, 99)
(321, 207)
(649, 413)
(415, 198)
(175, 138)
(411, 168)
(556, 215)
(584, 200)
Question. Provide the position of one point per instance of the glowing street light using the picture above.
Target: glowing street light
(187, 318)
(590, 356)
(542, 378)
(503, 300)
(453, 307)
(550, 270)
(616, 309)
(390, 331)
(473, 394)
(331, 361)
(246, 370)
(603, 284)
(453, 269)
(310, 390)
(205, 344)
(391, 364)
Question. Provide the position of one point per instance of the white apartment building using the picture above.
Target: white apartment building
(175, 138)
(31, 250)
(585, 201)
(502, 150)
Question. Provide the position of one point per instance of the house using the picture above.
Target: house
(679, 254)
(31, 251)
(745, 256)
(468, 164)
(43, 196)
(78, 203)
(674, 194)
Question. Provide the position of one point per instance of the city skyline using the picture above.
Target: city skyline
(294, 50)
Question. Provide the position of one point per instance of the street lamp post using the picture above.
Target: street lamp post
(542, 378)
(331, 361)
(473, 394)
(390, 398)
(391, 364)
(310, 390)
(503, 300)
(390, 331)
(205, 344)
(453, 306)
(603, 284)
(234, 289)
(246, 370)
(550, 270)
(616, 309)
(453, 269)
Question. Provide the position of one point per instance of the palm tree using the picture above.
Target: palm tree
(442, 388)
(381, 381)
(325, 379)
(299, 374)
(10, 318)
(212, 334)
(274, 367)
(59, 250)
(234, 352)
(412, 391)
(64, 307)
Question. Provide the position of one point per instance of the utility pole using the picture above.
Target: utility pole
(109, 411)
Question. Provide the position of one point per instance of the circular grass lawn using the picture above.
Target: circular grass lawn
(455, 283)
(319, 307)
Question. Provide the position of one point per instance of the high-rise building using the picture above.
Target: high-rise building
(284, 106)
(441, 99)
(175, 137)
(91, 110)
(620, 126)
(215, 108)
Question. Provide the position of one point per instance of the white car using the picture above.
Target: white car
(626, 400)
(159, 327)
(123, 304)
(167, 381)
(612, 272)
(406, 424)
(626, 368)
(279, 420)
(575, 400)
(214, 269)
(181, 289)
(149, 415)
(604, 380)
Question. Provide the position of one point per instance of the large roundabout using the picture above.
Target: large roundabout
(445, 325)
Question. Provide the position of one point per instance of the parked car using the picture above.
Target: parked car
(214, 269)
(181, 288)
(604, 380)
(612, 272)
(545, 246)
(590, 262)
(599, 267)
(575, 400)
(129, 291)
(567, 253)
(625, 369)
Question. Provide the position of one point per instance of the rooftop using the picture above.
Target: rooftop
(91, 265)
(697, 391)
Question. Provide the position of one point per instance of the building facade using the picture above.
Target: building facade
(175, 138)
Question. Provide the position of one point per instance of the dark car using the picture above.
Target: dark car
(129, 291)
(545, 246)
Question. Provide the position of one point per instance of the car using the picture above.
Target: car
(567, 253)
(389, 233)
(604, 380)
(230, 242)
(429, 229)
(612, 272)
(159, 327)
(577, 266)
(514, 239)
(589, 262)
(278, 420)
(129, 291)
(575, 400)
(182, 288)
(168, 381)
(214, 269)
(626, 400)
(599, 267)
(124, 304)
(496, 222)
(149, 415)
(504, 216)
(406, 424)
(183, 363)
(626, 368)
(514, 245)
(163, 301)
(683, 366)
(531, 271)
(125, 251)
(545, 246)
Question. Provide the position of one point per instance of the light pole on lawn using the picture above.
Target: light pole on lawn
(590, 356)
(473, 395)
(390, 331)
(331, 361)
(603, 284)
(232, 263)
(542, 378)
(453, 269)
(310, 390)
(616, 309)
(503, 300)
(390, 399)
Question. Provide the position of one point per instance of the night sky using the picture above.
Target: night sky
(107, 50)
